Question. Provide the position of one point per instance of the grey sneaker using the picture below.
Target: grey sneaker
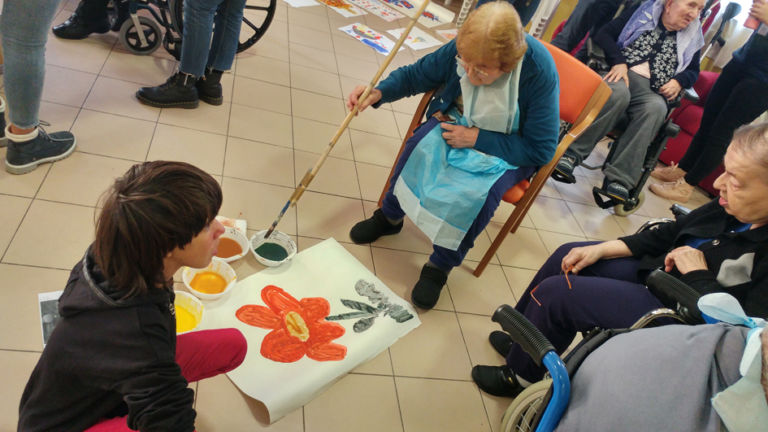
(564, 169)
(23, 157)
(617, 191)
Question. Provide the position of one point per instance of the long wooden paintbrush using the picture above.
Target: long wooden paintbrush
(310, 175)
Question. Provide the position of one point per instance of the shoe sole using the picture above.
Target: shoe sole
(23, 169)
(212, 101)
(67, 37)
(187, 105)
(616, 197)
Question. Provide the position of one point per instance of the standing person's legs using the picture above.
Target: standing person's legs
(575, 28)
(24, 27)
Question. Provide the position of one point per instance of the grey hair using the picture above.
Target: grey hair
(752, 141)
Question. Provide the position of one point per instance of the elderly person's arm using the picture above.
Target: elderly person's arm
(684, 79)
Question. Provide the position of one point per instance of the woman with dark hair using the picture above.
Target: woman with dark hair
(114, 360)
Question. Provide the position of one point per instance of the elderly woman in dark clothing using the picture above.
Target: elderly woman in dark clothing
(653, 52)
(719, 247)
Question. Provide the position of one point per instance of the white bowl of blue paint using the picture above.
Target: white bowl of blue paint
(273, 251)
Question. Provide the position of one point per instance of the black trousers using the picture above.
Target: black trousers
(93, 10)
(736, 99)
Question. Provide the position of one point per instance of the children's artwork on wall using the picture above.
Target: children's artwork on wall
(448, 34)
(344, 8)
(374, 7)
(435, 14)
(308, 322)
(417, 39)
(370, 37)
(302, 3)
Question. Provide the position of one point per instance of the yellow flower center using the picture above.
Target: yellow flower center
(296, 326)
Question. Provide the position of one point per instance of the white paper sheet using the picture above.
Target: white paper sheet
(448, 34)
(325, 270)
(343, 8)
(417, 39)
(374, 7)
(433, 16)
(302, 3)
(368, 36)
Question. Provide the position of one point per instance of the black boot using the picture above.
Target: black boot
(426, 292)
(371, 229)
(82, 22)
(178, 92)
(496, 380)
(26, 152)
(209, 87)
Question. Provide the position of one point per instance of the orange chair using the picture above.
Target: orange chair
(582, 94)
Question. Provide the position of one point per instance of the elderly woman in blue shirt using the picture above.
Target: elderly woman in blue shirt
(494, 119)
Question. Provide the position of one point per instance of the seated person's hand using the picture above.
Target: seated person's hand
(759, 10)
(671, 89)
(618, 72)
(459, 136)
(353, 99)
(581, 257)
(686, 259)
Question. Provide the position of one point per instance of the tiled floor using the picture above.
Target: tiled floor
(283, 103)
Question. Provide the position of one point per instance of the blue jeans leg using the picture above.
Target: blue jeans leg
(24, 25)
(197, 51)
(226, 34)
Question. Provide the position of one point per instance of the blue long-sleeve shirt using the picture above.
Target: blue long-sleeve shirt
(535, 141)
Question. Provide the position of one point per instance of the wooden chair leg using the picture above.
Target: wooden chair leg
(510, 226)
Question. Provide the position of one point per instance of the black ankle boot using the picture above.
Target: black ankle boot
(209, 87)
(371, 229)
(426, 292)
(178, 92)
(81, 23)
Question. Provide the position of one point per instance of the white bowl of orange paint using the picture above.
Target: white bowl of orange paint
(233, 245)
(189, 312)
(211, 282)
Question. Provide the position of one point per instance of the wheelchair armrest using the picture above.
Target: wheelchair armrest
(691, 95)
(679, 210)
(667, 287)
(523, 332)
(596, 57)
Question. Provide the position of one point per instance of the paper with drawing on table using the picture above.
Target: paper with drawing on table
(417, 39)
(372, 38)
(49, 312)
(448, 34)
(302, 3)
(344, 8)
(435, 14)
(374, 7)
(308, 322)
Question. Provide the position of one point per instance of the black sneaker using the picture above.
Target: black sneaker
(501, 342)
(564, 169)
(616, 191)
(209, 88)
(3, 139)
(178, 92)
(77, 27)
(496, 380)
(372, 228)
(426, 292)
(23, 157)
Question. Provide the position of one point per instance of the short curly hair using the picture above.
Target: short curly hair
(493, 32)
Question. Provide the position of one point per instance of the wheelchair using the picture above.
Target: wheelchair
(541, 405)
(162, 23)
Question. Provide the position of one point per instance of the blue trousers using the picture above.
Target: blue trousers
(198, 48)
(444, 258)
(607, 294)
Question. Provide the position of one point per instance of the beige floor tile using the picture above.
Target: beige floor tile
(596, 222)
(272, 47)
(119, 97)
(407, 105)
(336, 176)
(519, 279)
(345, 45)
(361, 252)
(553, 240)
(495, 407)
(410, 238)
(654, 205)
(142, 70)
(87, 55)
(377, 121)
(60, 117)
(315, 81)
(379, 365)
(264, 68)
(206, 118)
(372, 179)
(41, 241)
(579, 192)
(262, 95)
(630, 224)
(260, 162)
(314, 136)
(374, 148)
(504, 211)
(19, 306)
(400, 270)
(553, 215)
(324, 216)
(307, 56)
(14, 209)
(481, 295)
(433, 350)
(549, 189)
(354, 68)
(260, 125)
(476, 330)
(300, 35)
(82, 178)
(95, 133)
(302, 17)
(441, 405)
(202, 149)
(317, 107)
(21, 185)
(258, 203)
(17, 367)
(403, 122)
(482, 244)
(521, 249)
(66, 86)
(355, 403)
(221, 406)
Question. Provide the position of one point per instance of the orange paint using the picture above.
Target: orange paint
(209, 282)
(228, 248)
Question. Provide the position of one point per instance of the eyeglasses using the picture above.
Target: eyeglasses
(481, 73)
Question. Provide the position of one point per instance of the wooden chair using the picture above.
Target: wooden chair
(582, 95)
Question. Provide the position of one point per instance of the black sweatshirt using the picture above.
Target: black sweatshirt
(106, 358)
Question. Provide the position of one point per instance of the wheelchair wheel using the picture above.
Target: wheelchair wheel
(622, 210)
(131, 37)
(522, 411)
(257, 17)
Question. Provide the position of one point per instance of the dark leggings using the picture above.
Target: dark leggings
(736, 99)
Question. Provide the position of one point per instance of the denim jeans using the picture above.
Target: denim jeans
(198, 51)
(24, 26)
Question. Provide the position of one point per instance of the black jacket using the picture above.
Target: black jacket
(737, 262)
(108, 357)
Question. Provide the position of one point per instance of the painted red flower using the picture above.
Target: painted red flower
(298, 327)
